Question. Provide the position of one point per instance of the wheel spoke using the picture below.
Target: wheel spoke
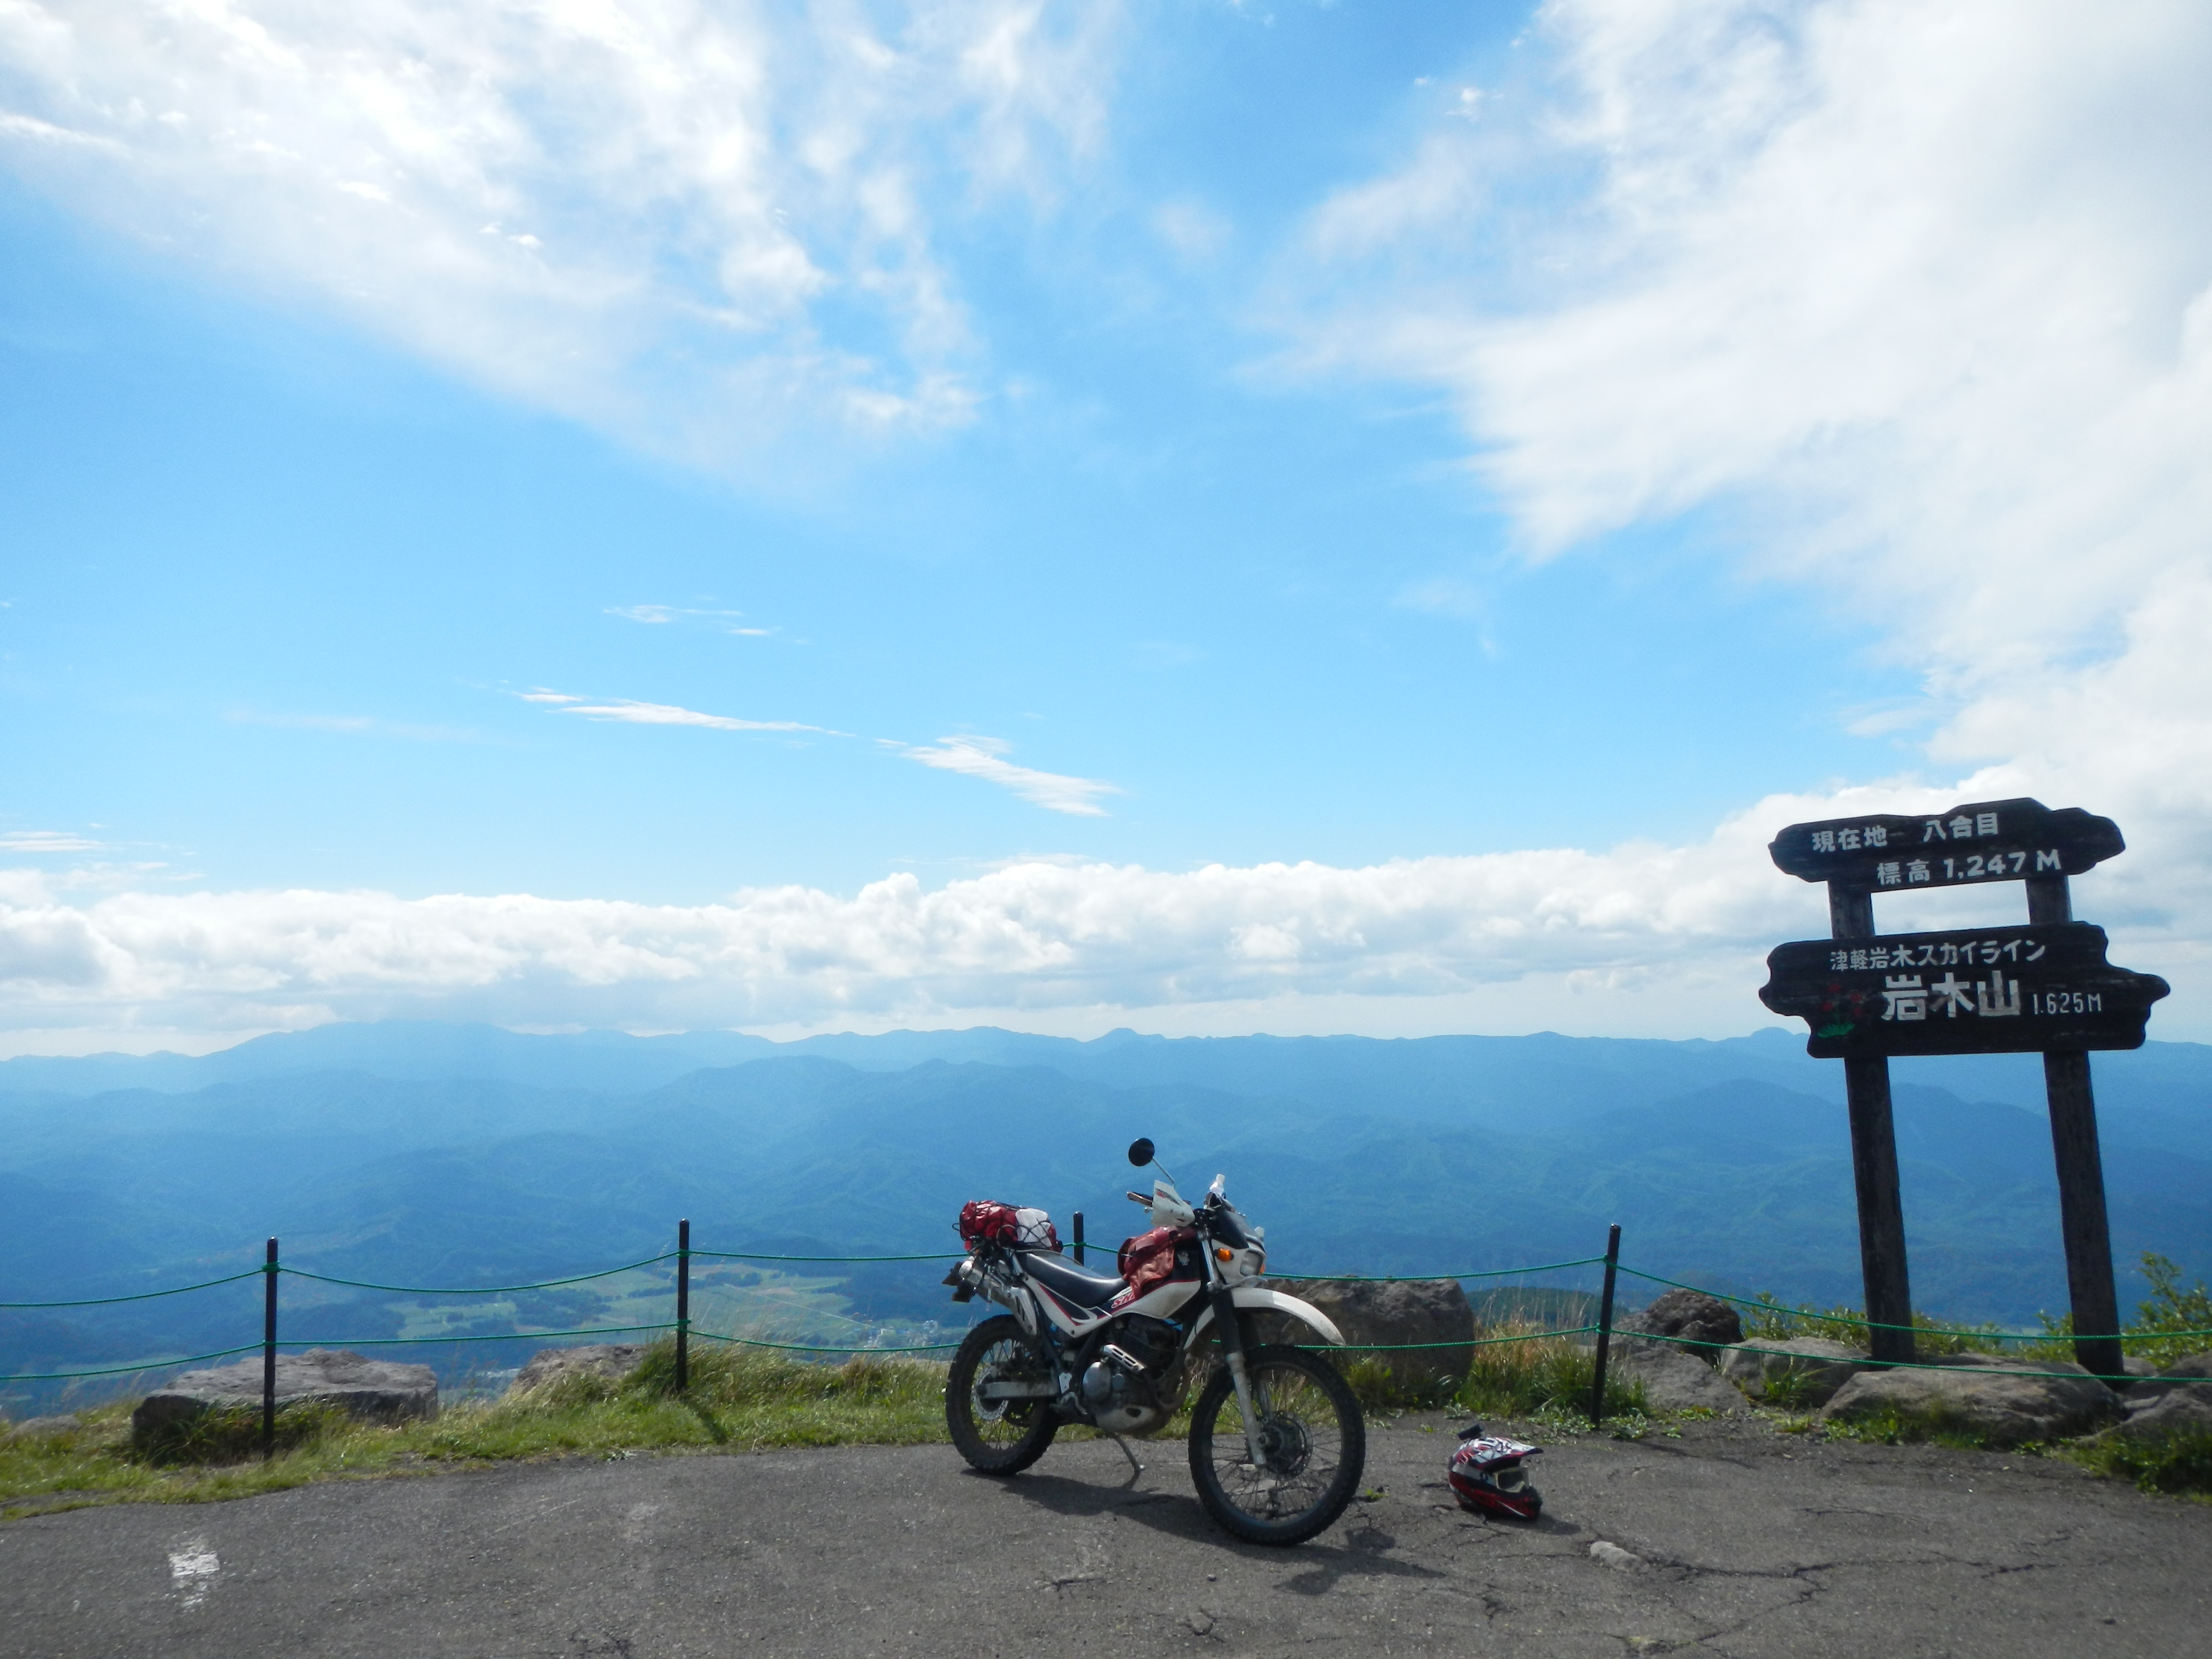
(1001, 1422)
(1301, 1443)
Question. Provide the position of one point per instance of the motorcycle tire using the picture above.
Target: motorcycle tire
(1312, 1434)
(996, 1437)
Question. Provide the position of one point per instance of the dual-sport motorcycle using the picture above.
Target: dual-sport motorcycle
(1277, 1440)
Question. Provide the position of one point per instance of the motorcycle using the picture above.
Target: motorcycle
(1277, 1440)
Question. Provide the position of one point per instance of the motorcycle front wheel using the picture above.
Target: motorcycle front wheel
(1312, 1443)
(998, 1437)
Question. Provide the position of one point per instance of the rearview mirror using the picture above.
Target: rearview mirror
(1140, 1151)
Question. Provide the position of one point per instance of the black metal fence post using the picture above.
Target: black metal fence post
(682, 1305)
(268, 1355)
(1079, 1238)
(1604, 1324)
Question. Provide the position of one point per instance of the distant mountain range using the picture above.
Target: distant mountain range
(415, 1153)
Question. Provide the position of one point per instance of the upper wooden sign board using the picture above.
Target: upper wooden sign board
(1980, 991)
(1984, 841)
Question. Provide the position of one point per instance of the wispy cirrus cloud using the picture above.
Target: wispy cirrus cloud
(986, 758)
(1912, 297)
(49, 841)
(629, 712)
(701, 226)
(724, 621)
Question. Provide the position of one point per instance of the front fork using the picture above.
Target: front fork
(1232, 1348)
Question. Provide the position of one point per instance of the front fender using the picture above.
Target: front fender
(1253, 1296)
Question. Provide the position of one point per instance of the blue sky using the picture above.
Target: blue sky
(1418, 440)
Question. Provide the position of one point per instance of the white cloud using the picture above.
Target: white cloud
(661, 615)
(1040, 934)
(626, 711)
(1915, 299)
(1642, 937)
(47, 840)
(697, 225)
(985, 758)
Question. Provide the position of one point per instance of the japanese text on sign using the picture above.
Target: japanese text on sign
(1946, 953)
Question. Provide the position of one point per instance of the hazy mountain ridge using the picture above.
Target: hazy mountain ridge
(1739, 1179)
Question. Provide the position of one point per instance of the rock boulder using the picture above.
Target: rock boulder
(1418, 1312)
(613, 1360)
(1674, 1379)
(1801, 1373)
(2194, 1372)
(2184, 1408)
(2002, 1401)
(374, 1391)
(39, 1428)
(1702, 1321)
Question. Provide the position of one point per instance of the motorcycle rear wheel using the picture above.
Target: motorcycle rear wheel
(998, 1437)
(1313, 1439)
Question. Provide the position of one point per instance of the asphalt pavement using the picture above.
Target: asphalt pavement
(1730, 1540)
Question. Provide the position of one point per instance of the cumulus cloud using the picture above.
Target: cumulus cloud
(1680, 931)
(1033, 933)
(986, 758)
(695, 224)
(1915, 297)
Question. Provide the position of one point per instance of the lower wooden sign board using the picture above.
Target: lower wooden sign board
(1978, 991)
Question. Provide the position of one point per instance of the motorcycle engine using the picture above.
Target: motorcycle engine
(1121, 1386)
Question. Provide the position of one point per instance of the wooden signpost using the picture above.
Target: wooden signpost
(2045, 987)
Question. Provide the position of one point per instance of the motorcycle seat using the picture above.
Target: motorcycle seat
(1076, 1285)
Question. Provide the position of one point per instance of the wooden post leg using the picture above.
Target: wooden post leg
(1882, 1210)
(2081, 1213)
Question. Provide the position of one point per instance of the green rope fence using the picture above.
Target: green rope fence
(142, 1296)
(755, 1255)
(479, 1289)
(684, 1327)
(126, 1371)
(1417, 1279)
(1867, 1324)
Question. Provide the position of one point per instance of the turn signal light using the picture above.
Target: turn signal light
(1222, 1255)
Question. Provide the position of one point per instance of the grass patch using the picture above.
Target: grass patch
(1779, 1321)
(1888, 1426)
(2179, 1464)
(2157, 1334)
(1547, 1378)
(738, 1399)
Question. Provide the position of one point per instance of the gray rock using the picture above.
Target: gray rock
(1414, 1311)
(2195, 1369)
(1673, 1379)
(1704, 1322)
(374, 1391)
(2001, 1401)
(2182, 1407)
(613, 1360)
(40, 1428)
(1803, 1372)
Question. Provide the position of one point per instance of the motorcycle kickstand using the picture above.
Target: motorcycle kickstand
(1135, 1468)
